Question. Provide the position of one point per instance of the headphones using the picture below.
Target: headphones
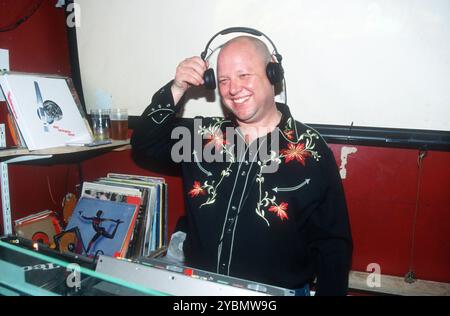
(274, 70)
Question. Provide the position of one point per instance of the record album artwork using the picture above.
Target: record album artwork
(45, 110)
(70, 241)
(40, 227)
(105, 227)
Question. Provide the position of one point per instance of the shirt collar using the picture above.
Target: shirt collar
(287, 126)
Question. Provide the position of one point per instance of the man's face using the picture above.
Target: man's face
(243, 83)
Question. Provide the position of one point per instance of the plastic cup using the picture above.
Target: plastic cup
(119, 124)
(100, 124)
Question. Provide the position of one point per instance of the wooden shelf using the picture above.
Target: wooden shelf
(395, 285)
(6, 154)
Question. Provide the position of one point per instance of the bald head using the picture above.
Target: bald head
(244, 85)
(248, 43)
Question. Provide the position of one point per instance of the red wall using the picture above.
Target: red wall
(381, 190)
(38, 45)
(380, 186)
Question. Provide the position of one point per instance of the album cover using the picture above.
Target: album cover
(159, 221)
(111, 193)
(45, 110)
(70, 241)
(40, 227)
(150, 236)
(105, 226)
(150, 179)
(136, 242)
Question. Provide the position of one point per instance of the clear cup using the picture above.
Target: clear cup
(100, 124)
(119, 123)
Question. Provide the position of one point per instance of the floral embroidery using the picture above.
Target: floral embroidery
(288, 130)
(289, 133)
(196, 190)
(295, 152)
(213, 134)
(280, 210)
(301, 151)
(298, 152)
(217, 139)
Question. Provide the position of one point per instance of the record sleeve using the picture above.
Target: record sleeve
(40, 227)
(45, 110)
(105, 226)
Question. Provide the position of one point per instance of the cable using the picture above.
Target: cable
(410, 276)
(50, 191)
(285, 92)
(21, 20)
(80, 177)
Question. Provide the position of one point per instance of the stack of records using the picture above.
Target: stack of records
(119, 215)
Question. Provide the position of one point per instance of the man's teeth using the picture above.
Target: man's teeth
(241, 100)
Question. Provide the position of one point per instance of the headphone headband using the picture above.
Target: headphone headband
(241, 29)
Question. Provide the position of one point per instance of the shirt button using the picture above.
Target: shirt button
(246, 162)
(243, 173)
(229, 230)
(233, 208)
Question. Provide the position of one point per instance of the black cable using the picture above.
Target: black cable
(285, 92)
(21, 20)
(410, 276)
(80, 177)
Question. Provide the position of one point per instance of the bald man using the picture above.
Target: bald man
(264, 200)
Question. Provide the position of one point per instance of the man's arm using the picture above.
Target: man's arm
(152, 135)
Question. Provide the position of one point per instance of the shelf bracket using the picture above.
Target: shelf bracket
(6, 204)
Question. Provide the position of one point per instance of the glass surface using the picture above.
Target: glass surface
(28, 268)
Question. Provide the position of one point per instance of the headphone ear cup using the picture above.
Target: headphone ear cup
(274, 72)
(210, 79)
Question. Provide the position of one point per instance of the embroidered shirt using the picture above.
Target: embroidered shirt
(272, 211)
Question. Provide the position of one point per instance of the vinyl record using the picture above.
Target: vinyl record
(69, 241)
(41, 237)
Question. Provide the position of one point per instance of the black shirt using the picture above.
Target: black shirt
(273, 211)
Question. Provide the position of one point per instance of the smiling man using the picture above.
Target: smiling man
(284, 227)
(244, 86)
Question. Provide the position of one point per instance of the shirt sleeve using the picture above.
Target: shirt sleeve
(329, 233)
(152, 133)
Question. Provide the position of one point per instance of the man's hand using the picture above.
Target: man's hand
(189, 73)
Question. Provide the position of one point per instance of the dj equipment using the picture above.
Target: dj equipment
(164, 276)
(274, 70)
(30, 268)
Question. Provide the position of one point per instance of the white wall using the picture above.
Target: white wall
(379, 63)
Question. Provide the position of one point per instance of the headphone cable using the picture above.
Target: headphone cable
(285, 91)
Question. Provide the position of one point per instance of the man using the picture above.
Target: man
(278, 218)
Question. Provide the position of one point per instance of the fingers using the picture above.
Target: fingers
(190, 72)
